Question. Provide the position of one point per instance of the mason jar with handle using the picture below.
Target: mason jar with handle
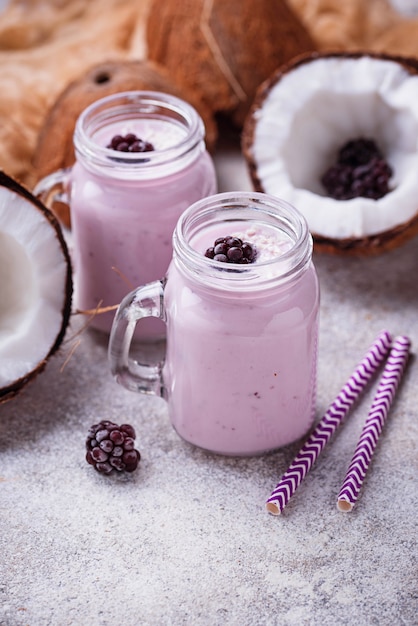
(141, 160)
(239, 373)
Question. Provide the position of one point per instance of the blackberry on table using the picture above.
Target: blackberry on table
(361, 170)
(232, 250)
(112, 447)
(129, 143)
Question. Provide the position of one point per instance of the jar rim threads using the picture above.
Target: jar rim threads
(243, 207)
(138, 105)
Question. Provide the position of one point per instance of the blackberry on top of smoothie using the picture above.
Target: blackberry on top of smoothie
(255, 244)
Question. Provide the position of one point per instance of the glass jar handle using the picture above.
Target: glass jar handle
(146, 301)
(54, 187)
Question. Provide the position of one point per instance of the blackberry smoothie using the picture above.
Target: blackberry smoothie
(141, 161)
(241, 304)
(241, 366)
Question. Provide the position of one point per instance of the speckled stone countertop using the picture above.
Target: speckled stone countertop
(186, 540)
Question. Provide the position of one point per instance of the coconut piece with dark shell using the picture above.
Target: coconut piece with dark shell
(224, 50)
(302, 116)
(35, 286)
(55, 148)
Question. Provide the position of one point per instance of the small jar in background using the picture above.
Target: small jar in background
(124, 205)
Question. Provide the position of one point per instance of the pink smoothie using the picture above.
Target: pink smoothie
(123, 224)
(245, 362)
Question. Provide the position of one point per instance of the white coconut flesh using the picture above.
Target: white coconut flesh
(35, 287)
(308, 115)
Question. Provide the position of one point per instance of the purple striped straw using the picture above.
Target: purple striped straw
(327, 426)
(373, 426)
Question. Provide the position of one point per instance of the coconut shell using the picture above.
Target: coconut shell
(372, 245)
(11, 390)
(55, 148)
(365, 246)
(224, 50)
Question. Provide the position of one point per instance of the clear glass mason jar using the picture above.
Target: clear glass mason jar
(239, 373)
(124, 205)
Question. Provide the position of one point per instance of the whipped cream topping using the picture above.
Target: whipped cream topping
(269, 245)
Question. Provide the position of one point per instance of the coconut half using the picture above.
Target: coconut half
(301, 117)
(35, 286)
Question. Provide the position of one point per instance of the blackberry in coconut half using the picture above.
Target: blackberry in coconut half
(35, 286)
(336, 135)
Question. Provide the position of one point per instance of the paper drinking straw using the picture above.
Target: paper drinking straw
(329, 423)
(373, 426)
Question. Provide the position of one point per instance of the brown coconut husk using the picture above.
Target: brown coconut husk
(345, 25)
(43, 47)
(55, 148)
(224, 50)
(371, 245)
(400, 38)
